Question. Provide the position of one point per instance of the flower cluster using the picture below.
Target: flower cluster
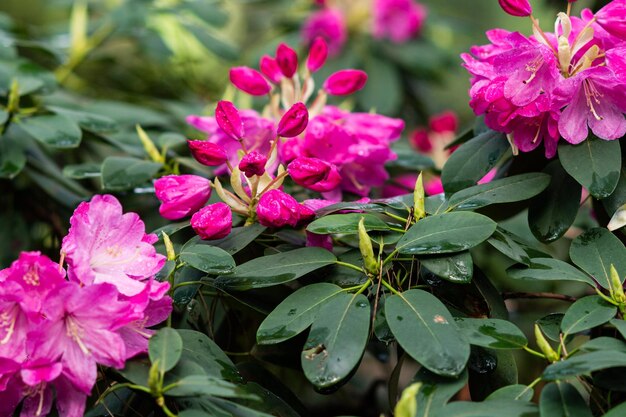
(55, 331)
(395, 20)
(549, 85)
(320, 147)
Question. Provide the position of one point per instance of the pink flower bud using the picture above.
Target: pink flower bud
(612, 18)
(294, 121)
(344, 82)
(228, 119)
(444, 122)
(306, 215)
(519, 8)
(253, 164)
(287, 60)
(317, 54)
(214, 221)
(249, 81)
(420, 140)
(270, 69)
(207, 153)
(181, 195)
(314, 174)
(277, 209)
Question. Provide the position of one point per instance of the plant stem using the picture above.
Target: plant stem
(389, 287)
(348, 265)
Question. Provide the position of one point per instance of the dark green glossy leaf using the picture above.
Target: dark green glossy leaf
(426, 331)
(551, 325)
(595, 250)
(239, 238)
(613, 202)
(435, 391)
(619, 411)
(209, 259)
(515, 392)
(54, 130)
(295, 313)
(620, 325)
(337, 340)
(505, 190)
(198, 348)
(446, 233)
(457, 268)
(186, 293)
(506, 243)
(166, 347)
(491, 408)
(205, 385)
(123, 173)
(595, 164)
(604, 343)
(553, 211)
(584, 364)
(345, 223)
(473, 160)
(492, 333)
(136, 371)
(88, 121)
(82, 171)
(585, 313)
(12, 157)
(276, 269)
(548, 269)
(560, 399)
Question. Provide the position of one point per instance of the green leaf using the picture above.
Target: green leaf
(595, 250)
(551, 325)
(492, 333)
(457, 268)
(620, 325)
(88, 121)
(345, 223)
(12, 157)
(515, 392)
(166, 347)
(585, 313)
(426, 331)
(595, 164)
(445, 233)
(54, 130)
(553, 211)
(123, 173)
(193, 413)
(295, 313)
(239, 238)
(560, 399)
(276, 269)
(215, 42)
(82, 171)
(436, 391)
(604, 343)
(209, 259)
(473, 160)
(205, 385)
(548, 269)
(584, 364)
(505, 190)
(506, 243)
(619, 411)
(198, 348)
(136, 371)
(384, 86)
(337, 340)
(491, 408)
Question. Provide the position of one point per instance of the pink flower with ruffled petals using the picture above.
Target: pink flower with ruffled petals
(328, 24)
(398, 20)
(277, 209)
(106, 245)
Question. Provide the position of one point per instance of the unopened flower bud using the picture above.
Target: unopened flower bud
(181, 195)
(444, 122)
(214, 221)
(317, 54)
(544, 345)
(249, 81)
(253, 164)
(520, 8)
(169, 247)
(315, 174)
(617, 290)
(419, 211)
(344, 82)
(270, 69)
(287, 60)
(294, 121)
(207, 153)
(367, 251)
(277, 209)
(228, 119)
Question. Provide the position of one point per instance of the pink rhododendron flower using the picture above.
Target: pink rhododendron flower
(249, 81)
(207, 153)
(397, 20)
(345, 82)
(317, 54)
(294, 121)
(518, 8)
(253, 164)
(269, 67)
(277, 209)
(328, 24)
(106, 246)
(612, 18)
(314, 174)
(228, 119)
(214, 221)
(287, 60)
(181, 195)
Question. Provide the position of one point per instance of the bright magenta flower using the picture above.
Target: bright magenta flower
(269, 67)
(249, 81)
(520, 8)
(328, 24)
(181, 195)
(228, 119)
(214, 221)
(277, 209)
(287, 60)
(253, 164)
(105, 245)
(294, 121)
(398, 20)
(314, 174)
(345, 82)
(318, 52)
(612, 18)
(207, 153)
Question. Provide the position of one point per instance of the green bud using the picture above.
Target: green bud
(617, 290)
(544, 346)
(169, 247)
(419, 212)
(407, 405)
(13, 104)
(149, 146)
(367, 251)
(155, 383)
